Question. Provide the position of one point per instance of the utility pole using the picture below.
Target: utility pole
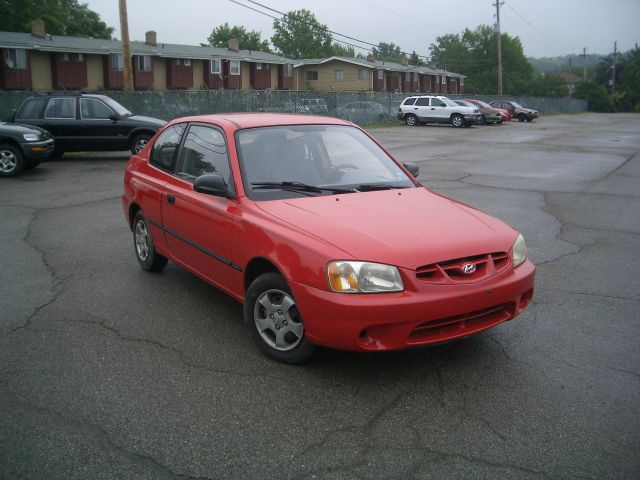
(613, 75)
(584, 63)
(126, 52)
(498, 36)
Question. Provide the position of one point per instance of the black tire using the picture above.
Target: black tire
(273, 318)
(143, 246)
(457, 120)
(11, 161)
(484, 119)
(411, 120)
(522, 117)
(529, 119)
(138, 142)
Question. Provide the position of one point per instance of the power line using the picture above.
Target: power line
(551, 41)
(398, 14)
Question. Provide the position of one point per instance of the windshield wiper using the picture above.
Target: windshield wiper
(369, 187)
(300, 187)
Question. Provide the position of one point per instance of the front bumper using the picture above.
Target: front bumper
(497, 118)
(37, 150)
(473, 118)
(423, 314)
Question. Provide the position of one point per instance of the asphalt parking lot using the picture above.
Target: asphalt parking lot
(110, 372)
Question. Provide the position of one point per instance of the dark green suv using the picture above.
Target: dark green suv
(84, 122)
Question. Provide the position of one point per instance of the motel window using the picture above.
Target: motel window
(215, 66)
(234, 67)
(363, 74)
(444, 79)
(79, 57)
(380, 74)
(339, 74)
(415, 77)
(258, 66)
(65, 57)
(312, 75)
(288, 71)
(117, 62)
(144, 63)
(183, 61)
(17, 58)
(461, 81)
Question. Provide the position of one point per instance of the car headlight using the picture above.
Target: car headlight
(363, 277)
(519, 251)
(31, 137)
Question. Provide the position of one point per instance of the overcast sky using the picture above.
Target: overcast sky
(547, 28)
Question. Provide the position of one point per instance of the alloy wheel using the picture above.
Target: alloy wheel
(277, 320)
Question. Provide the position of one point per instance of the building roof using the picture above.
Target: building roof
(378, 65)
(64, 44)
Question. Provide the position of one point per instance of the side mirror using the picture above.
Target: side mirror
(12, 115)
(113, 117)
(211, 184)
(413, 168)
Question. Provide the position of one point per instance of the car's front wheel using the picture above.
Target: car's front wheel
(275, 322)
(522, 117)
(457, 120)
(11, 161)
(411, 120)
(145, 250)
(139, 142)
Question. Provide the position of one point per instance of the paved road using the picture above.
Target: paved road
(109, 372)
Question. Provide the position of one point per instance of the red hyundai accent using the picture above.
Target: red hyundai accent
(326, 238)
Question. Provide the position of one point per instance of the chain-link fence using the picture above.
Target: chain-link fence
(359, 107)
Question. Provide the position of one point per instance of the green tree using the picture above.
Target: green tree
(474, 53)
(389, 52)
(61, 17)
(549, 85)
(596, 95)
(343, 50)
(249, 40)
(300, 35)
(414, 59)
(629, 87)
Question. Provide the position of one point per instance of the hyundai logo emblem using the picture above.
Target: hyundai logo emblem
(468, 268)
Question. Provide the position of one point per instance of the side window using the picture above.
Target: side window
(91, 108)
(410, 101)
(32, 109)
(163, 153)
(204, 152)
(422, 102)
(63, 108)
(436, 102)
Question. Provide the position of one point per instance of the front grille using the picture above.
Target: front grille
(444, 328)
(459, 270)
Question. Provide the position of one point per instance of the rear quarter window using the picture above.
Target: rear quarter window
(163, 152)
(32, 109)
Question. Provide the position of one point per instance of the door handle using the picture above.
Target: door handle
(171, 200)
(415, 108)
(433, 108)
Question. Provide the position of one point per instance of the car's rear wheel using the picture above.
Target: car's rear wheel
(457, 120)
(411, 120)
(145, 250)
(275, 322)
(11, 161)
(139, 142)
(522, 117)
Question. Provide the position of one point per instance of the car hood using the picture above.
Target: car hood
(142, 119)
(408, 228)
(19, 129)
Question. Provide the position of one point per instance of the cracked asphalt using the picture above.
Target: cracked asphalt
(108, 372)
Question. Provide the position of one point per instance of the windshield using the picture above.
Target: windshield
(482, 104)
(119, 109)
(303, 160)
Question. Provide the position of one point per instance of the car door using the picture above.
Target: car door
(422, 108)
(199, 227)
(60, 118)
(439, 110)
(98, 127)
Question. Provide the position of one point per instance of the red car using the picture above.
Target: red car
(505, 115)
(326, 238)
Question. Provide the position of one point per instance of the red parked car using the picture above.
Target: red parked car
(326, 238)
(505, 115)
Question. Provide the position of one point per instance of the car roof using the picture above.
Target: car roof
(253, 120)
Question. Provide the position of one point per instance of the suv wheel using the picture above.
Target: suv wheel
(457, 120)
(138, 143)
(411, 120)
(11, 161)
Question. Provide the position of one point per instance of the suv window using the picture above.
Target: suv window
(409, 101)
(32, 108)
(422, 102)
(94, 109)
(204, 152)
(163, 154)
(61, 108)
(436, 102)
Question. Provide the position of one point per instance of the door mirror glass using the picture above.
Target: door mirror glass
(211, 184)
